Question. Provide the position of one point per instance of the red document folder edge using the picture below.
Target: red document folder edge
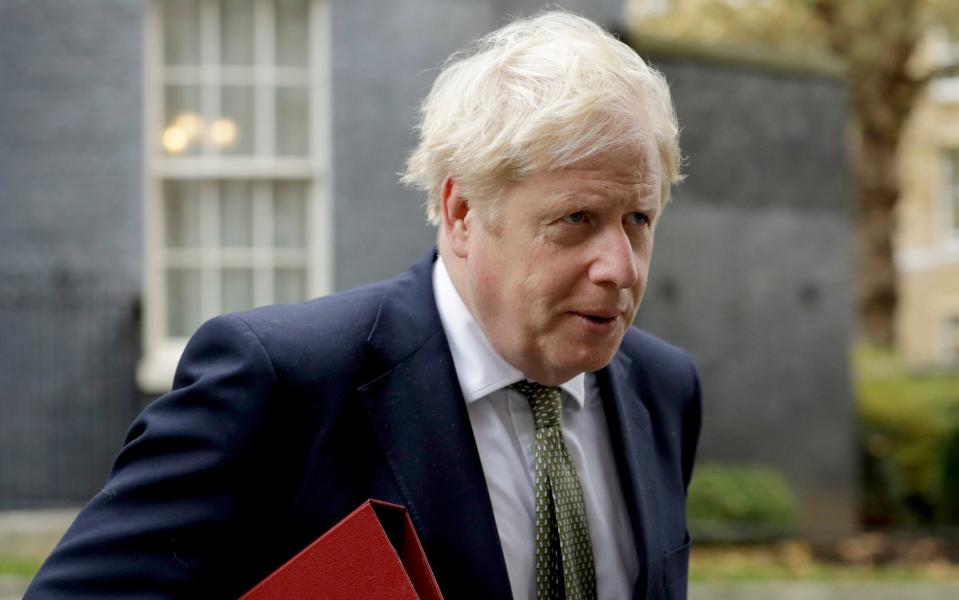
(372, 554)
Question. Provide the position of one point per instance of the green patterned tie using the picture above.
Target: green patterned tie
(564, 555)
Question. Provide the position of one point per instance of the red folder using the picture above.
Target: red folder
(372, 554)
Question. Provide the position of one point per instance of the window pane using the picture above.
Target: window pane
(237, 289)
(951, 341)
(289, 285)
(181, 211)
(233, 132)
(289, 215)
(183, 301)
(236, 32)
(292, 32)
(952, 209)
(951, 212)
(292, 121)
(236, 213)
(182, 128)
(181, 32)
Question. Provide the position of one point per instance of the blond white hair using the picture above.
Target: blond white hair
(539, 94)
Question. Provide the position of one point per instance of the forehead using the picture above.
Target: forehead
(630, 173)
(630, 163)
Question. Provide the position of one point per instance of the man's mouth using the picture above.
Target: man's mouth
(600, 318)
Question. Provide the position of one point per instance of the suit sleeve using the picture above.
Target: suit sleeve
(692, 427)
(166, 522)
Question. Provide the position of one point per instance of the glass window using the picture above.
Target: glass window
(292, 32)
(244, 235)
(950, 341)
(950, 203)
(234, 188)
(651, 8)
(181, 32)
(237, 31)
(236, 96)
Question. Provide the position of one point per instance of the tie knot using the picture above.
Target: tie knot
(544, 400)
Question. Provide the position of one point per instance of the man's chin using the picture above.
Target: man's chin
(589, 359)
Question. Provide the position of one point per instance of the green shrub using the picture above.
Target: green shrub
(909, 441)
(740, 503)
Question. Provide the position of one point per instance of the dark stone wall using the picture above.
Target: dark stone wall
(753, 274)
(70, 150)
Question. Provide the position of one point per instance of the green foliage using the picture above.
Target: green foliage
(19, 566)
(737, 502)
(909, 441)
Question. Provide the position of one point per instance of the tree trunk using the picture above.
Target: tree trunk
(877, 191)
(877, 41)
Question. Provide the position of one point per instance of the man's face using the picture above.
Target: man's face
(556, 280)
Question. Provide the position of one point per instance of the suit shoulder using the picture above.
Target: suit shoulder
(324, 331)
(327, 315)
(667, 379)
(640, 342)
(652, 354)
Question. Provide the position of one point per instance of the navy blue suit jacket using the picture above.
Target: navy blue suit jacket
(284, 419)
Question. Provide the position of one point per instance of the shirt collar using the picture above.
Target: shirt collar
(479, 368)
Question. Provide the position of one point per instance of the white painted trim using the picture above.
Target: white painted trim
(257, 256)
(948, 326)
(210, 304)
(917, 260)
(264, 59)
(950, 200)
(945, 90)
(320, 211)
(156, 369)
(263, 239)
(945, 228)
(229, 167)
(239, 75)
(153, 301)
(647, 8)
(210, 92)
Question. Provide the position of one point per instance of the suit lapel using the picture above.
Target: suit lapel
(630, 428)
(420, 418)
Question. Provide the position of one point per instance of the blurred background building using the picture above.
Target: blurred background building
(927, 246)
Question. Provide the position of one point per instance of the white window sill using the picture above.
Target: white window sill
(945, 90)
(156, 368)
(928, 257)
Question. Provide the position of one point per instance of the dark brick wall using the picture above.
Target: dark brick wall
(70, 147)
(753, 274)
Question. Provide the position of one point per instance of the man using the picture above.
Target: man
(541, 444)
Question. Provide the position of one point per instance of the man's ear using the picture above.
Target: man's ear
(455, 209)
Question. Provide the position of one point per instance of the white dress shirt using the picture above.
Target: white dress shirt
(503, 427)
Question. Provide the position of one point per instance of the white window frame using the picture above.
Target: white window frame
(648, 8)
(161, 353)
(948, 224)
(944, 52)
(949, 328)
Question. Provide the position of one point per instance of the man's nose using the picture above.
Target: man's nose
(615, 261)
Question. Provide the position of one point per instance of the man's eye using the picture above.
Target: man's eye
(575, 218)
(638, 218)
